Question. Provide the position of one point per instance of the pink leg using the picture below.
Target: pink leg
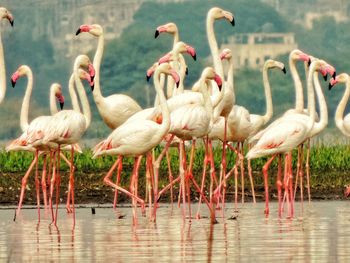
(120, 168)
(291, 183)
(52, 184)
(205, 163)
(133, 187)
(71, 169)
(71, 183)
(266, 183)
(37, 184)
(308, 170)
(58, 183)
(149, 174)
(170, 177)
(182, 163)
(190, 175)
(24, 183)
(298, 169)
(250, 174)
(223, 168)
(242, 171)
(279, 185)
(43, 181)
(107, 181)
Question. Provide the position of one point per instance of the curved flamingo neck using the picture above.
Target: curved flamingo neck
(319, 126)
(176, 37)
(2, 72)
(26, 100)
(165, 125)
(98, 97)
(299, 98)
(339, 113)
(214, 46)
(73, 94)
(53, 105)
(204, 86)
(230, 79)
(82, 95)
(267, 88)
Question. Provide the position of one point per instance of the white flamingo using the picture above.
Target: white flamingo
(114, 109)
(287, 132)
(4, 14)
(137, 138)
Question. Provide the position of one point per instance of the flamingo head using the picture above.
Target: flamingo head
(167, 69)
(226, 54)
(22, 70)
(170, 28)
(326, 69)
(181, 47)
(270, 63)
(209, 73)
(218, 13)
(57, 89)
(95, 30)
(150, 71)
(4, 13)
(86, 76)
(83, 61)
(297, 54)
(341, 78)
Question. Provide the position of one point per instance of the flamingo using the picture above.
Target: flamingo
(193, 121)
(138, 138)
(30, 130)
(172, 29)
(4, 14)
(257, 121)
(289, 131)
(341, 121)
(66, 127)
(114, 109)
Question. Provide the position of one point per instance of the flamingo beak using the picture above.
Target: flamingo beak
(156, 34)
(218, 81)
(325, 77)
(165, 58)
(186, 72)
(78, 32)
(176, 77)
(330, 86)
(309, 62)
(148, 78)
(61, 105)
(334, 74)
(10, 19)
(91, 71)
(284, 70)
(232, 21)
(13, 83)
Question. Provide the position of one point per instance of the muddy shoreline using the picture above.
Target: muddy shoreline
(89, 188)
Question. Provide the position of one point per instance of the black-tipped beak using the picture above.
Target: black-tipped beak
(194, 57)
(12, 22)
(92, 77)
(325, 77)
(330, 86)
(284, 70)
(334, 74)
(92, 87)
(177, 84)
(61, 105)
(156, 34)
(233, 22)
(148, 78)
(309, 62)
(78, 32)
(186, 72)
(220, 87)
(13, 83)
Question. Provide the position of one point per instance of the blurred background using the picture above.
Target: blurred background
(43, 37)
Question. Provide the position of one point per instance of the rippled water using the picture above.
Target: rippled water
(320, 234)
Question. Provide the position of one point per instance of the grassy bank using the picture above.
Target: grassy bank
(329, 173)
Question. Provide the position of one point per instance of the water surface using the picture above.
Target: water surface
(320, 234)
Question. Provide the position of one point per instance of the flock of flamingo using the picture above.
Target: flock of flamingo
(207, 111)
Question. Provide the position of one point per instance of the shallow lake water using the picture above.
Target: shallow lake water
(321, 233)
